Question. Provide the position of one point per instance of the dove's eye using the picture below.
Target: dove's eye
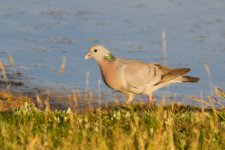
(95, 50)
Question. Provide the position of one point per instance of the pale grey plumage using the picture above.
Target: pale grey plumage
(133, 77)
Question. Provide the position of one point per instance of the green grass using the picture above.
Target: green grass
(115, 127)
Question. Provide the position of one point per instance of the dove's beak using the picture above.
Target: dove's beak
(88, 56)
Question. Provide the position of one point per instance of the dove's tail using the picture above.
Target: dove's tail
(176, 76)
(189, 79)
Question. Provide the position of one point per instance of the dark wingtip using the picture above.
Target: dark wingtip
(190, 79)
(187, 69)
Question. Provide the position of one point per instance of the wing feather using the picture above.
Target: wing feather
(139, 74)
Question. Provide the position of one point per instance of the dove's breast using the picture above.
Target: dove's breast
(111, 75)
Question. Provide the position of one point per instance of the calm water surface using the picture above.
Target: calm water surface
(41, 35)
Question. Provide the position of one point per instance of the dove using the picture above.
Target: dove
(132, 77)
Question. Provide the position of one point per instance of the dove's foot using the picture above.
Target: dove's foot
(130, 97)
(127, 102)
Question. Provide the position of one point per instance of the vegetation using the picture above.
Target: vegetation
(114, 127)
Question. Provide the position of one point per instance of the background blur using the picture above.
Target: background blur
(37, 38)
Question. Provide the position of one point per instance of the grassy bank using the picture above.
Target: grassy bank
(115, 127)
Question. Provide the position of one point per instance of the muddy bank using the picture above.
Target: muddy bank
(18, 89)
(9, 101)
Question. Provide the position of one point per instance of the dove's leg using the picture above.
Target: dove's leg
(150, 100)
(130, 97)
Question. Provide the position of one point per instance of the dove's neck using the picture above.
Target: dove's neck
(106, 64)
(109, 57)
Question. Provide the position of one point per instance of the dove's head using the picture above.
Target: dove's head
(99, 53)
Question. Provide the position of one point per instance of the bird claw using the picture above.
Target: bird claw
(127, 102)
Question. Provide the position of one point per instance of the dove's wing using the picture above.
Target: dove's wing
(138, 74)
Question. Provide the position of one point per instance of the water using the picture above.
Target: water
(40, 34)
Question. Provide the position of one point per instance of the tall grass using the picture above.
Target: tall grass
(114, 127)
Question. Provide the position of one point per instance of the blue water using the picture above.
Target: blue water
(39, 34)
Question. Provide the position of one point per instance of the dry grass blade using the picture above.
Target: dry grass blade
(39, 101)
(99, 92)
(63, 65)
(46, 101)
(87, 80)
(209, 77)
(11, 60)
(2, 67)
(200, 100)
(164, 47)
(219, 92)
(74, 98)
